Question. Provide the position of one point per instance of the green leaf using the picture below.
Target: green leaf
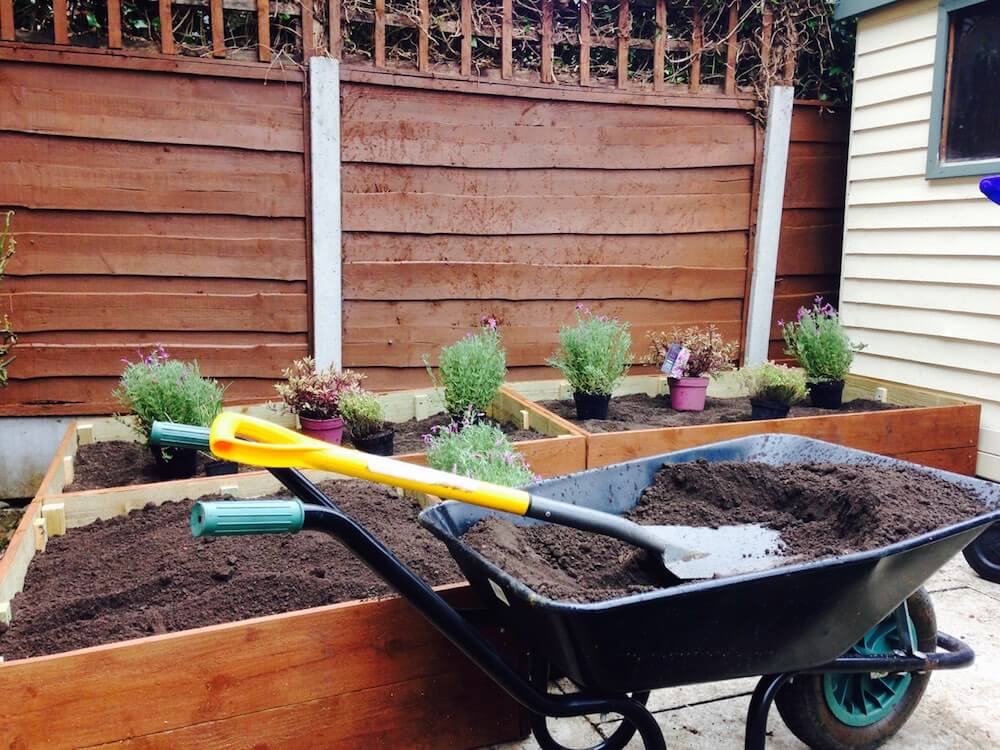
(139, 24)
(92, 20)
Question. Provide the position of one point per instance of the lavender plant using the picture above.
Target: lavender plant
(157, 388)
(315, 394)
(771, 382)
(595, 354)
(472, 371)
(818, 342)
(7, 336)
(477, 449)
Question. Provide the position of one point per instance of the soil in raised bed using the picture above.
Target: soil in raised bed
(118, 463)
(144, 573)
(821, 510)
(638, 411)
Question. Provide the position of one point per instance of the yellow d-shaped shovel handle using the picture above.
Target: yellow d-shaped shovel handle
(248, 440)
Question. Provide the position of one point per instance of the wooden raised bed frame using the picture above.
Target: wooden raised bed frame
(356, 674)
(940, 431)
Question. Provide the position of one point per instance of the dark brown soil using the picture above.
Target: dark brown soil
(143, 573)
(9, 519)
(410, 435)
(821, 510)
(640, 412)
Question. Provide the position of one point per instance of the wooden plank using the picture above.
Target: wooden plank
(7, 25)
(585, 24)
(307, 30)
(60, 22)
(709, 249)
(816, 182)
(218, 26)
(789, 66)
(958, 460)
(732, 50)
(166, 27)
(697, 42)
(116, 105)
(264, 30)
(41, 311)
(114, 24)
(766, 25)
(430, 281)
(466, 44)
(506, 41)
(380, 33)
(425, 213)
(135, 177)
(812, 124)
(546, 49)
(423, 41)
(240, 673)
(659, 45)
(807, 247)
(624, 32)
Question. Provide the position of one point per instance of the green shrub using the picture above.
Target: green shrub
(315, 394)
(479, 450)
(595, 354)
(157, 388)
(7, 335)
(818, 342)
(362, 411)
(772, 382)
(472, 371)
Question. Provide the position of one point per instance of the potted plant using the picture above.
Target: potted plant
(157, 388)
(773, 389)
(472, 371)
(818, 342)
(594, 356)
(314, 396)
(364, 416)
(692, 357)
(479, 450)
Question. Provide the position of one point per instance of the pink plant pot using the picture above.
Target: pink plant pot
(329, 430)
(688, 394)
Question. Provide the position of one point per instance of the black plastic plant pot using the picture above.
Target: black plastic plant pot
(591, 405)
(221, 468)
(765, 409)
(179, 463)
(379, 443)
(827, 395)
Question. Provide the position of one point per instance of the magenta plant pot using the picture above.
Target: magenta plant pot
(330, 430)
(688, 394)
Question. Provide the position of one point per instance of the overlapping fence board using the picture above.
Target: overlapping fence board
(458, 205)
(812, 222)
(151, 207)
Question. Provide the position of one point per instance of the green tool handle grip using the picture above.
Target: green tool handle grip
(235, 517)
(173, 435)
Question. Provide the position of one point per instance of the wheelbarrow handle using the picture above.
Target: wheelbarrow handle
(173, 435)
(248, 440)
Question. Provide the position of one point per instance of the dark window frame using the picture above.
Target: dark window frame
(937, 168)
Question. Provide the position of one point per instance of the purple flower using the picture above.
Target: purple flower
(579, 306)
(781, 322)
(125, 361)
(829, 310)
(819, 300)
(801, 313)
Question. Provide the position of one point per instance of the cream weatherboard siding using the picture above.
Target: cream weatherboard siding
(921, 272)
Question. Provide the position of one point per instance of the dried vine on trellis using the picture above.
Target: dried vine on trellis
(7, 336)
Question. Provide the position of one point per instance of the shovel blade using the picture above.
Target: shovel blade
(722, 551)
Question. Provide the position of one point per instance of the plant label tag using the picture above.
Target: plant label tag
(671, 359)
(498, 591)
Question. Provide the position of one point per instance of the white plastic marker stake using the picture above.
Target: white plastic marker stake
(671, 358)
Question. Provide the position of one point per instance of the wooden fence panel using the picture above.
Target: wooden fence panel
(458, 205)
(151, 207)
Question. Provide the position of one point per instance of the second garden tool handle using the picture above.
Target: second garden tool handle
(247, 440)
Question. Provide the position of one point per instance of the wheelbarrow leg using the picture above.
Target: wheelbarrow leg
(760, 707)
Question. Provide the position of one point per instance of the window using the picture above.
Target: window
(965, 115)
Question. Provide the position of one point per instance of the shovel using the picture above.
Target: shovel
(687, 552)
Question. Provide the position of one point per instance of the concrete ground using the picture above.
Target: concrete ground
(959, 711)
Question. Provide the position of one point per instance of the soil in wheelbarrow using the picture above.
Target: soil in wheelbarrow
(143, 574)
(821, 510)
(641, 412)
(117, 463)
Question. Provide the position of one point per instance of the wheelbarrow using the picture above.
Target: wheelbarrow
(845, 644)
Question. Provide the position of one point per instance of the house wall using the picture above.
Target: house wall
(921, 266)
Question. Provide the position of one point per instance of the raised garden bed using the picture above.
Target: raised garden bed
(925, 427)
(350, 674)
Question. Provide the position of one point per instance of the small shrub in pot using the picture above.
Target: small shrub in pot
(594, 356)
(472, 371)
(314, 395)
(365, 419)
(159, 389)
(477, 449)
(690, 357)
(818, 342)
(773, 389)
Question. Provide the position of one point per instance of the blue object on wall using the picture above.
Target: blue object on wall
(991, 188)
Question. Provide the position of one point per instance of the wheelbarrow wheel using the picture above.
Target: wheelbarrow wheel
(861, 711)
(983, 555)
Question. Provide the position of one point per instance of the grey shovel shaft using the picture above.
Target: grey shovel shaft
(608, 524)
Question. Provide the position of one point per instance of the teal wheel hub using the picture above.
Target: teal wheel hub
(860, 700)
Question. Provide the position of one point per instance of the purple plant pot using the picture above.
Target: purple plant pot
(330, 430)
(688, 394)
